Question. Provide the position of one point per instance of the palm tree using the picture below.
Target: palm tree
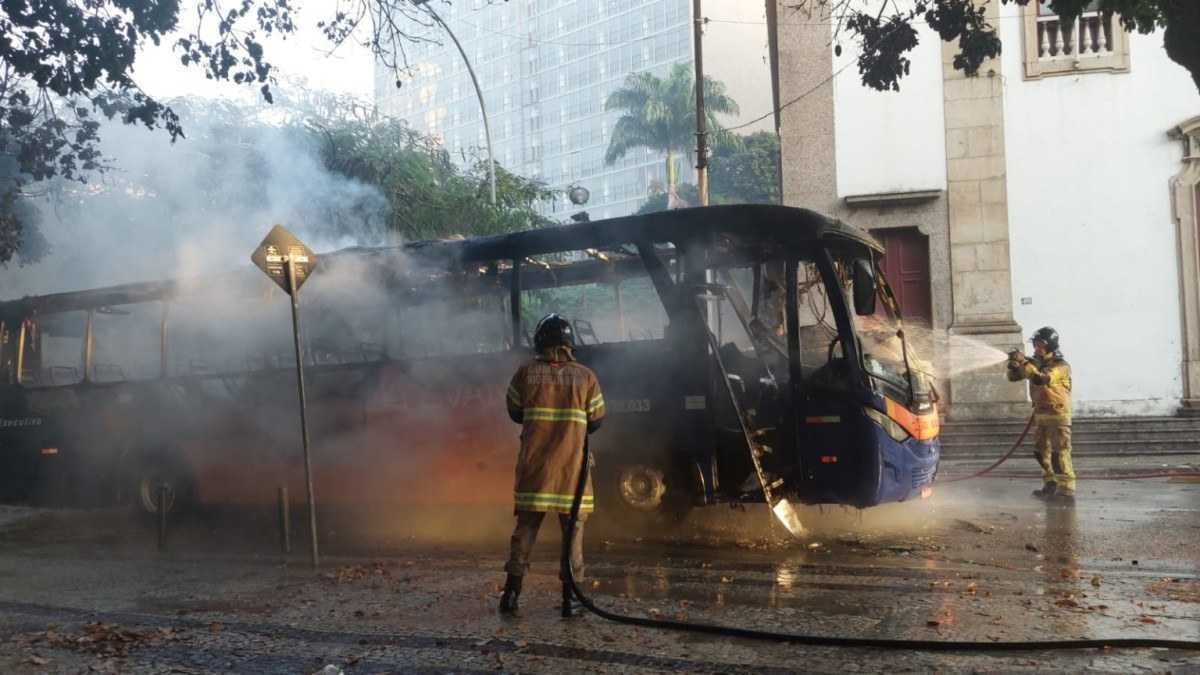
(660, 114)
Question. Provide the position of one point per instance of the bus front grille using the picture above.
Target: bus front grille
(921, 475)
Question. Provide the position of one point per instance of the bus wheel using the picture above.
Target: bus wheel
(148, 475)
(649, 496)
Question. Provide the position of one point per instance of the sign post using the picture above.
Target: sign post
(288, 262)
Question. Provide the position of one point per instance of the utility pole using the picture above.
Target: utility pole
(773, 50)
(701, 132)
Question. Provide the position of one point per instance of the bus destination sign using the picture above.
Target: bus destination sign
(277, 250)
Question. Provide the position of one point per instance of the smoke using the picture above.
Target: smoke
(193, 208)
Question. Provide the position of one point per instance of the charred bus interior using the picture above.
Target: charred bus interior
(744, 351)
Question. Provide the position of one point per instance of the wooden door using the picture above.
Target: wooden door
(906, 265)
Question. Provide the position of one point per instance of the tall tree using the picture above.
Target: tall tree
(660, 114)
(887, 35)
(747, 172)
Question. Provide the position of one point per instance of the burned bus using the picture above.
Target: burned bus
(747, 353)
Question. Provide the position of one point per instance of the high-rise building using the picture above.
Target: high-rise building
(546, 68)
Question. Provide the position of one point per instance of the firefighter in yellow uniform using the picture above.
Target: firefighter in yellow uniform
(1049, 377)
(557, 402)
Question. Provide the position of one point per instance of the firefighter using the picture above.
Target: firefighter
(557, 402)
(1049, 377)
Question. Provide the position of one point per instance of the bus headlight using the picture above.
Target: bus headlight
(893, 429)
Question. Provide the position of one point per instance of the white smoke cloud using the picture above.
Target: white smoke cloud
(195, 207)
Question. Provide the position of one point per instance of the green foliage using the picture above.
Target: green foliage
(747, 172)
(428, 195)
(887, 36)
(739, 173)
(660, 114)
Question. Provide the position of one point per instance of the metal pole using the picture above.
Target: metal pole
(701, 133)
(620, 311)
(285, 521)
(21, 350)
(514, 302)
(487, 130)
(162, 340)
(773, 51)
(87, 345)
(312, 504)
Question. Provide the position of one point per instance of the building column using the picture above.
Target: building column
(981, 272)
(1185, 211)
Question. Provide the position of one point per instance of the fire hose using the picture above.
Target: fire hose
(839, 641)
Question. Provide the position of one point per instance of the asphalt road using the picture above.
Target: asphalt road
(979, 560)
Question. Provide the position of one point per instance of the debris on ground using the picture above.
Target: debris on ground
(103, 639)
(1176, 589)
(351, 573)
(971, 526)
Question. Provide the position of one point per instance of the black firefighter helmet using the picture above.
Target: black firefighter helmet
(553, 331)
(1048, 335)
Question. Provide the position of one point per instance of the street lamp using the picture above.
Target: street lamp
(579, 196)
(487, 131)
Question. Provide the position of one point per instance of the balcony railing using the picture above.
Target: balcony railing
(1090, 35)
(1096, 41)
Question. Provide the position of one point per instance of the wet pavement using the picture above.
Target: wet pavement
(980, 560)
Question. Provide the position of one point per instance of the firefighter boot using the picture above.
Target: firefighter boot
(1063, 498)
(1046, 492)
(569, 604)
(512, 590)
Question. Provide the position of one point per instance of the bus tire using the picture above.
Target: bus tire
(645, 496)
(145, 473)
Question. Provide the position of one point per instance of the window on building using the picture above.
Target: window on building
(1095, 42)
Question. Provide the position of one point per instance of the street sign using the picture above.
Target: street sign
(277, 250)
(289, 263)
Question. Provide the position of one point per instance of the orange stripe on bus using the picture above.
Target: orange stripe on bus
(920, 427)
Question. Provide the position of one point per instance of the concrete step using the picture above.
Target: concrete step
(1091, 436)
(954, 452)
(1080, 436)
(1097, 423)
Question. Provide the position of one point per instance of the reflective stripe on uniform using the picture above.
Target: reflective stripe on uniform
(514, 399)
(555, 415)
(596, 404)
(546, 501)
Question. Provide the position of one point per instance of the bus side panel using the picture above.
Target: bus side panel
(648, 417)
(422, 432)
(438, 433)
(838, 452)
(22, 437)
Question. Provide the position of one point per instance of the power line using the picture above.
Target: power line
(812, 89)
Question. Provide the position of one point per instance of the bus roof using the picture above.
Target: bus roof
(784, 224)
(789, 226)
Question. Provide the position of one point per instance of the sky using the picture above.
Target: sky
(302, 57)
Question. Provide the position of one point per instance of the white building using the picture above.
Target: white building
(1059, 187)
